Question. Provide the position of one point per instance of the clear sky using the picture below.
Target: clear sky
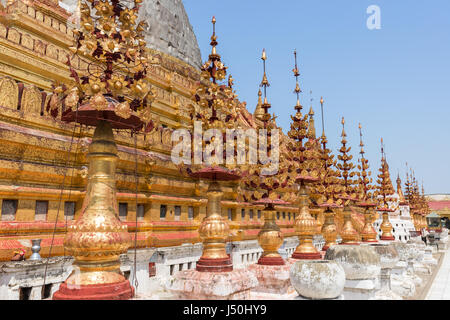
(395, 81)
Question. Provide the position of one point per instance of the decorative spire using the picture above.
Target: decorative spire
(217, 101)
(384, 193)
(265, 84)
(214, 56)
(368, 234)
(297, 89)
(400, 191)
(364, 175)
(385, 188)
(346, 168)
(305, 162)
(348, 234)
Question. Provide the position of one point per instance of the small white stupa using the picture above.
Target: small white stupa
(400, 218)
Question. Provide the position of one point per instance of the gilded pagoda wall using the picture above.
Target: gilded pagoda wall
(39, 155)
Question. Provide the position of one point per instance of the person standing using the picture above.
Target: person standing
(424, 235)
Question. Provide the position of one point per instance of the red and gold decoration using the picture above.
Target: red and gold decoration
(348, 234)
(384, 192)
(305, 162)
(111, 93)
(368, 234)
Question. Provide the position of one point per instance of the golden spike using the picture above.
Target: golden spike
(264, 57)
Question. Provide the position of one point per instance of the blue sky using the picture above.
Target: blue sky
(395, 80)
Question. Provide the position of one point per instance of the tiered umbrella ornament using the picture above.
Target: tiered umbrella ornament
(113, 87)
(384, 192)
(349, 192)
(112, 93)
(305, 164)
(265, 181)
(330, 187)
(215, 109)
(366, 188)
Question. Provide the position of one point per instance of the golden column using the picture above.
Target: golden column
(97, 239)
(368, 234)
(214, 229)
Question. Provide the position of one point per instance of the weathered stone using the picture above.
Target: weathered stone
(359, 262)
(234, 285)
(272, 279)
(318, 279)
(388, 254)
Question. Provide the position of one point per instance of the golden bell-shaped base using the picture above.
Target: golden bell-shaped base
(270, 239)
(306, 227)
(368, 233)
(329, 231)
(348, 234)
(97, 238)
(386, 228)
(214, 232)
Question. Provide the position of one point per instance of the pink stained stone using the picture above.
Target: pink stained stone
(194, 285)
(272, 279)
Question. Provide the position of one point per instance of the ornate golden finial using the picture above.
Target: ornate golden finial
(214, 42)
(323, 123)
(297, 89)
(343, 134)
(264, 84)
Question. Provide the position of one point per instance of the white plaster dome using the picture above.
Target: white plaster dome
(359, 262)
(318, 279)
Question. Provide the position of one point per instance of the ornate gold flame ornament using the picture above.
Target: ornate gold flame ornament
(384, 192)
(305, 162)
(349, 234)
(113, 94)
(368, 234)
